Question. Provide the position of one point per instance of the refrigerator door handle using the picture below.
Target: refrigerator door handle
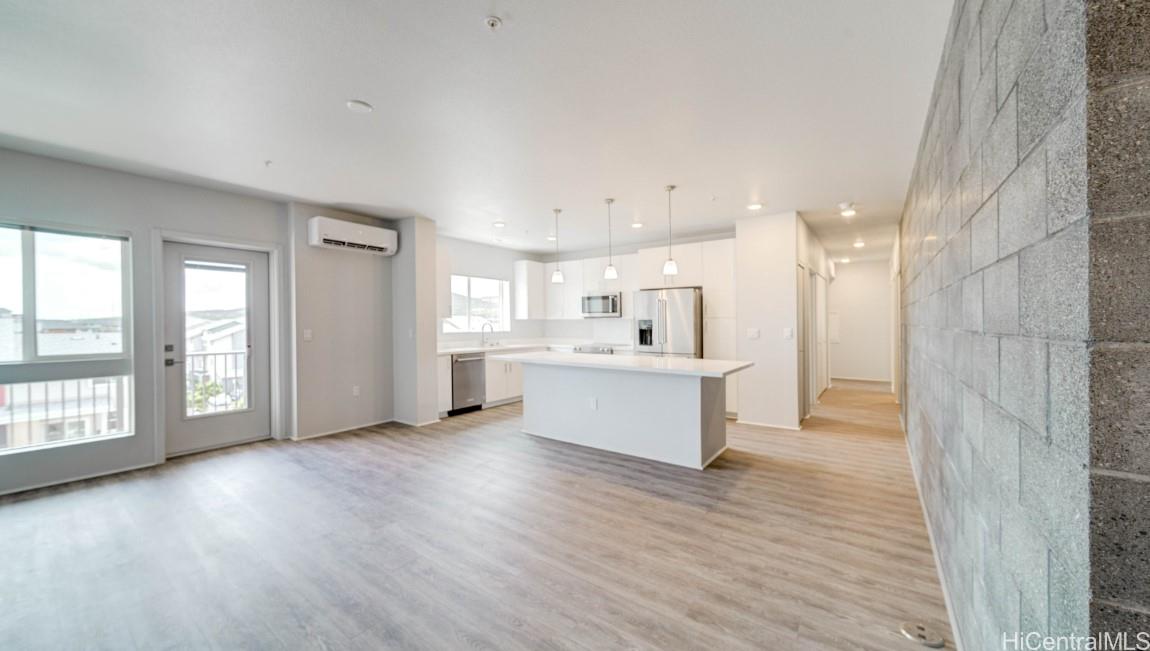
(662, 320)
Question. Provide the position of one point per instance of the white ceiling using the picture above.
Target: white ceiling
(798, 105)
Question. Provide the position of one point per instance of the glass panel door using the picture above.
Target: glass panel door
(216, 341)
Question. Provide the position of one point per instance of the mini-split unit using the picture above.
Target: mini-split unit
(331, 233)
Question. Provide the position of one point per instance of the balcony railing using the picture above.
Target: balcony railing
(39, 413)
(216, 382)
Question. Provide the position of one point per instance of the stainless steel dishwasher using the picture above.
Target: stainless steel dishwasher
(468, 380)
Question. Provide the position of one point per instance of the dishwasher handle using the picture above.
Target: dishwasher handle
(460, 358)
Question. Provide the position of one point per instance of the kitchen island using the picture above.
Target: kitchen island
(667, 409)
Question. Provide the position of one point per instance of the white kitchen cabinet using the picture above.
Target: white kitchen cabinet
(688, 257)
(719, 279)
(719, 337)
(651, 267)
(554, 293)
(593, 282)
(443, 375)
(530, 290)
(573, 289)
(504, 380)
(627, 282)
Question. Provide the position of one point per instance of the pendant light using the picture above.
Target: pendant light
(610, 273)
(670, 267)
(557, 275)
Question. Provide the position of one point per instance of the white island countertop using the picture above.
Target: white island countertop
(640, 363)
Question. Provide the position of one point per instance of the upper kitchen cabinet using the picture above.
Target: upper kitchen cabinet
(573, 289)
(530, 290)
(564, 300)
(593, 282)
(719, 279)
(688, 257)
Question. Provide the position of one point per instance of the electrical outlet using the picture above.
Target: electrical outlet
(752, 333)
(355, 390)
(307, 335)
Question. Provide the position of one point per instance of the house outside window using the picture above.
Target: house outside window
(477, 301)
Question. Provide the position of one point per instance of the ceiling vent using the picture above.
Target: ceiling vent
(329, 233)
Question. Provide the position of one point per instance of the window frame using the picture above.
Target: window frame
(33, 367)
(505, 292)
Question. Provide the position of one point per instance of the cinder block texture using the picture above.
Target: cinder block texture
(1120, 279)
(1118, 148)
(1120, 407)
(1119, 540)
(1118, 40)
(996, 265)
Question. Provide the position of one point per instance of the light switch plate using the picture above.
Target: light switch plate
(594, 404)
(788, 333)
(307, 334)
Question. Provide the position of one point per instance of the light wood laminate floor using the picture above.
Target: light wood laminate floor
(469, 534)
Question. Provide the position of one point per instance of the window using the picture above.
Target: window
(478, 301)
(65, 371)
(215, 337)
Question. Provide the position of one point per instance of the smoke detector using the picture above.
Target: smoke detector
(493, 22)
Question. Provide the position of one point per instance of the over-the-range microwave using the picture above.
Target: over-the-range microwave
(600, 306)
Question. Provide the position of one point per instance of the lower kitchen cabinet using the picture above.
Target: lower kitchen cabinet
(504, 381)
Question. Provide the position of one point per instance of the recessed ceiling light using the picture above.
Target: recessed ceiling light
(359, 106)
(550, 238)
(844, 260)
(847, 209)
(636, 224)
(755, 206)
(499, 224)
(859, 244)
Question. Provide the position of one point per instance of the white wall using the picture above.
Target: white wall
(345, 299)
(860, 297)
(766, 299)
(44, 191)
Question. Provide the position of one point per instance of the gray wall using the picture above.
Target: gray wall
(414, 336)
(345, 299)
(45, 191)
(1118, 46)
(995, 261)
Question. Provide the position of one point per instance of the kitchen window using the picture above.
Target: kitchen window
(65, 366)
(477, 301)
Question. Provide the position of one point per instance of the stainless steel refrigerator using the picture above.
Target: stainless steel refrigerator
(669, 322)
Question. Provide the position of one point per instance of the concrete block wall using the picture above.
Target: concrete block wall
(1118, 155)
(996, 272)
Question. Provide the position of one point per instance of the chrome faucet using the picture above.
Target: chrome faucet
(483, 333)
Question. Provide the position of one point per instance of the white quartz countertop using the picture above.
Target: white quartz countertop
(464, 349)
(636, 363)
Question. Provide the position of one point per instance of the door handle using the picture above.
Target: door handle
(173, 362)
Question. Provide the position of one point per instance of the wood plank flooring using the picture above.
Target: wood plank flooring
(469, 534)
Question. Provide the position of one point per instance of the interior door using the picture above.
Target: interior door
(217, 375)
(681, 322)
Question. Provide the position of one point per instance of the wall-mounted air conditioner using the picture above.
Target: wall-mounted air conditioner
(338, 234)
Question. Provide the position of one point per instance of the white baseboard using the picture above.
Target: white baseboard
(861, 379)
(343, 429)
(934, 549)
(751, 422)
(410, 424)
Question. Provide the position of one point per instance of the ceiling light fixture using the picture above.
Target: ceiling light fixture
(610, 272)
(845, 260)
(499, 223)
(359, 106)
(847, 209)
(859, 243)
(636, 224)
(755, 206)
(557, 275)
(550, 238)
(670, 267)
